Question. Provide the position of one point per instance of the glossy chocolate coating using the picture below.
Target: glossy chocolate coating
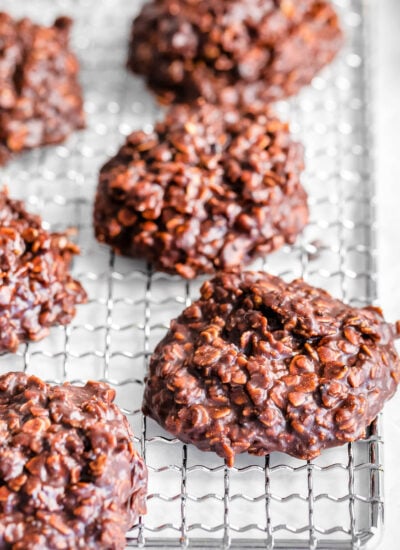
(259, 365)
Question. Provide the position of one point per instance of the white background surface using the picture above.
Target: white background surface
(387, 69)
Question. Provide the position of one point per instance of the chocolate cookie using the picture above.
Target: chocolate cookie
(40, 97)
(209, 188)
(235, 51)
(36, 290)
(259, 365)
(69, 475)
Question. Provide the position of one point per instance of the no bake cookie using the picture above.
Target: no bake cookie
(37, 290)
(69, 475)
(232, 51)
(209, 188)
(40, 96)
(259, 365)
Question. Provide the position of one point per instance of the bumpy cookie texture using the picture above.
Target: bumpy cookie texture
(209, 188)
(259, 365)
(40, 97)
(36, 288)
(69, 475)
(235, 51)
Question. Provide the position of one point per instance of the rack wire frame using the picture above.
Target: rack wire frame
(194, 500)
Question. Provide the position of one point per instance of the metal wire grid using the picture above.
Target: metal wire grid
(194, 500)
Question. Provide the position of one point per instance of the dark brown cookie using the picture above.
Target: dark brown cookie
(209, 188)
(40, 97)
(259, 365)
(36, 290)
(69, 475)
(234, 51)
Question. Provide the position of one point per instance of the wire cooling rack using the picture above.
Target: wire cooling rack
(332, 502)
